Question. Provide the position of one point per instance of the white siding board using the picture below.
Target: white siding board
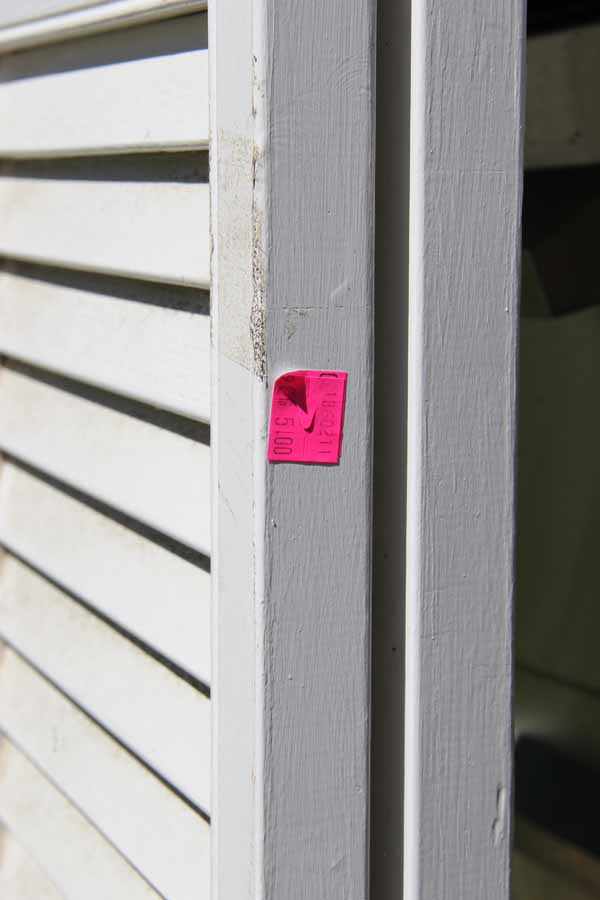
(20, 876)
(155, 103)
(160, 835)
(464, 245)
(80, 861)
(157, 714)
(158, 477)
(153, 354)
(141, 229)
(146, 589)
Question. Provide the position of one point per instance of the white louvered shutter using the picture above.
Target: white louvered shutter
(104, 434)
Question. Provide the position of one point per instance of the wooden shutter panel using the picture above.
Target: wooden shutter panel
(104, 434)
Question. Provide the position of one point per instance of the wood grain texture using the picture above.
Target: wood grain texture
(162, 718)
(143, 587)
(151, 827)
(317, 74)
(292, 206)
(141, 229)
(153, 102)
(465, 190)
(562, 125)
(154, 475)
(151, 353)
(20, 876)
(78, 859)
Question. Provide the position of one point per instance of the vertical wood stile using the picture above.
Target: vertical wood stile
(465, 190)
(292, 278)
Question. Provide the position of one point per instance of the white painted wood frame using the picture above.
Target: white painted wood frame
(50, 21)
(292, 182)
(464, 247)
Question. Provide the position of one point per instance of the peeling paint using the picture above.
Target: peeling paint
(257, 311)
(499, 823)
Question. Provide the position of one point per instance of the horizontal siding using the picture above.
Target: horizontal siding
(145, 588)
(20, 876)
(151, 102)
(151, 353)
(155, 830)
(157, 714)
(154, 475)
(78, 859)
(156, 230)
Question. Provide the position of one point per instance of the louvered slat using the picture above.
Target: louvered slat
(149, 472)
(155, 354)
(142, 89)
(105, 482)
(156, 230)
(157, 596)
(157, 714)
(20, 876)
(28, 10)
(78, 859)
(155, 830)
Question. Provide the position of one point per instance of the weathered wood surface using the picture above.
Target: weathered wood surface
(78, 859)
(20, 876)
(465, 199)
(143, 587)
(143, 229)
(157, 714)
(114, 336)
(155, 475)
(139, 90)
(292, 204)
(156, 831)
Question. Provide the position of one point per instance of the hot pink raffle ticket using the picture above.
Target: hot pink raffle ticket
(307, 411)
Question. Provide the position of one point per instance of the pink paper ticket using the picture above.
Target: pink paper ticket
(307, 411)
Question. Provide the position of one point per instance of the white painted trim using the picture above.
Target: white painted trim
(236, 391)
(465, 192)
(91, 20)
(292, 270)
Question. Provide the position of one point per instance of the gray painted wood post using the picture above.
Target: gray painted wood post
(292, 222)
(465, 190)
